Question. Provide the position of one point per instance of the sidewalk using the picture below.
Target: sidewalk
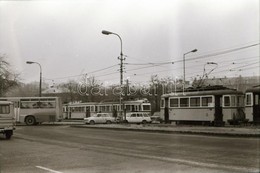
(232, 131)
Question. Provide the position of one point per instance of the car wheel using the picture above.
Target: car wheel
(8, 134)
(109, 122)
(144, 121)
(92, 122)
(30, 120)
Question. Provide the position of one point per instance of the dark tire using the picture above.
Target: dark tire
(30, 120)
(144, 122)
(92, 122)
(8, 134)
(109, 122)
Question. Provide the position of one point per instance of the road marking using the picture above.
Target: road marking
(47, 169)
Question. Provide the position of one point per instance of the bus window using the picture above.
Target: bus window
(249, 99)
(226, 101)
(174, 102)
(184, 102)
(47, 104)
(195, 101)
(30, 104)
(4, 109)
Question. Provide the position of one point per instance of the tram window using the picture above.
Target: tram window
(184, 102)
(195, 102)
(146, 107)
(248, 99)
(256, 99)
(102, 108)
(162, 103)
(233, 100)
(114, 107)
(226, 101)
(206, 101)
(128, 107)
(133, 108)
(108, 108)
(174, 102)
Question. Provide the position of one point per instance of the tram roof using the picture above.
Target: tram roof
(209, 92)
(255, 89)
(5, 102)
(108, 103)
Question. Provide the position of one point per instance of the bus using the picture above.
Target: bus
(7, 118)
(215, 107)
(252, 104)
(35, 110)
(82, 110)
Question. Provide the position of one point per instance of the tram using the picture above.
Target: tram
(216, 106)
(82, 110)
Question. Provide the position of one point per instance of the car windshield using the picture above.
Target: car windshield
(96, 115)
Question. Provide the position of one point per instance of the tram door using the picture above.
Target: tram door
(256, 108)
(218, 116)
(166, 110)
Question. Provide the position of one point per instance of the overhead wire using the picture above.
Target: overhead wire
(150, 65)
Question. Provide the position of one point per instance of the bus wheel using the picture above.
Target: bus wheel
(8, 134)
(30, 120)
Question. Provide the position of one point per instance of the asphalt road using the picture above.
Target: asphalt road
(62, 149)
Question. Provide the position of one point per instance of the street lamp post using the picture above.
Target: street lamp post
(121, 66)
(194, 50)
(40, 86)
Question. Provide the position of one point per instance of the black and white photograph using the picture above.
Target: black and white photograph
(129, 86)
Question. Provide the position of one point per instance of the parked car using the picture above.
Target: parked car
(99, 118)
(138, 117)
(156, 118)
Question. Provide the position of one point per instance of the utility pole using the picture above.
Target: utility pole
(121, 58)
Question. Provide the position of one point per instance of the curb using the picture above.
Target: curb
(172, 132)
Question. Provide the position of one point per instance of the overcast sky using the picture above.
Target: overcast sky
(65, 38)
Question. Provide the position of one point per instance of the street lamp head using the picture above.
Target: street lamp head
(212, 63)
(195, 50)
(29, 62)
(106, 32)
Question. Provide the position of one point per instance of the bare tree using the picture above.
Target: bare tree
(8, 79)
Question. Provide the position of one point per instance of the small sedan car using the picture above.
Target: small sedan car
(138, 117)
(99, 118)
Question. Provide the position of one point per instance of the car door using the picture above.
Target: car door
(139, 118)
(146, 117)
(132, 118)
(105, 117)
(99, 118)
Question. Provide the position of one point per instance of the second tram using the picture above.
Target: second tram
(207, 107)
(82, 110)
